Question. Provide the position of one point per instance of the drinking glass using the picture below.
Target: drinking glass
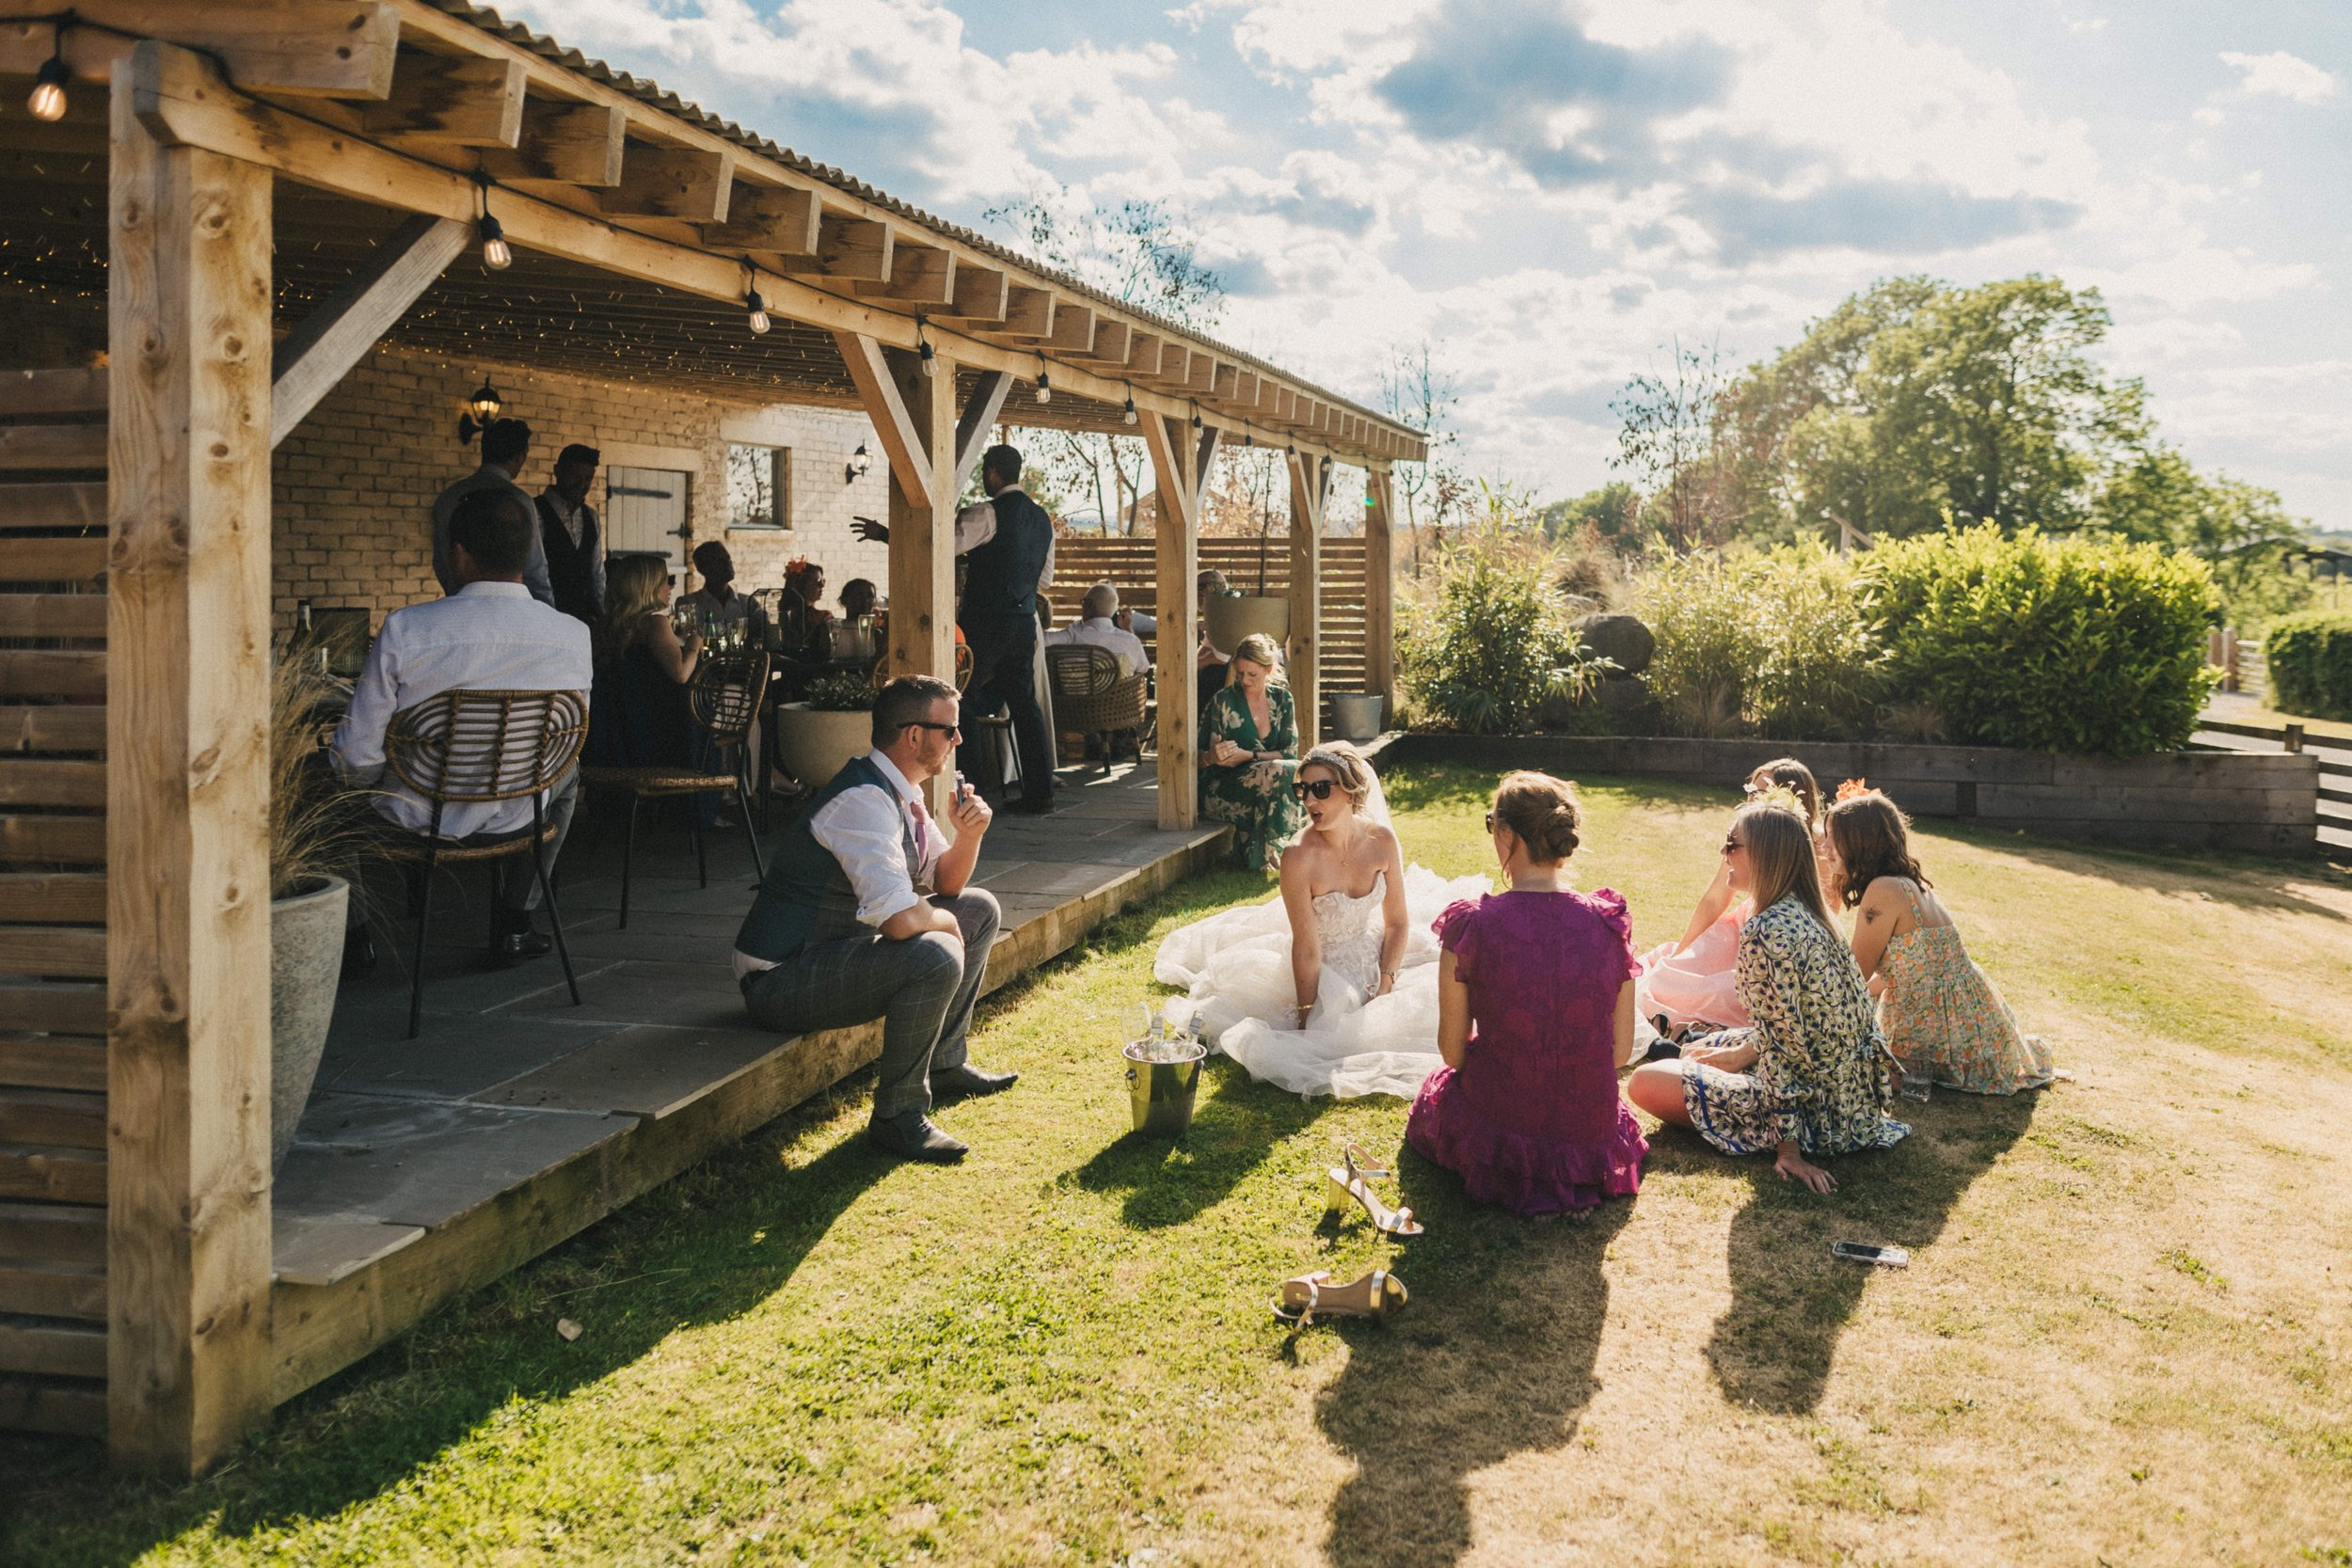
(1914, 1086)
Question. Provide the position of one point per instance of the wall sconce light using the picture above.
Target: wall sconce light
(481, 409)
(855, 468)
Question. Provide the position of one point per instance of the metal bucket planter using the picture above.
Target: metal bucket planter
(1355, 715)
(305, 958)
(1161, 1093)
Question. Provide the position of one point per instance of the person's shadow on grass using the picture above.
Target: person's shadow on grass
(1492, 1355)
(1790, 1300)
(1235, 1125)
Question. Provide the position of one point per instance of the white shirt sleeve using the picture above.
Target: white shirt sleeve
(976, 525)
(865, 831)
(1131, 653)
(357, 748)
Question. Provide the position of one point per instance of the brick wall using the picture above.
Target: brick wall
(353, 487)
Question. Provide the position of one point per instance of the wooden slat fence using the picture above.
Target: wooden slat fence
(53, 900)
(1079, 563)
(2335, 766)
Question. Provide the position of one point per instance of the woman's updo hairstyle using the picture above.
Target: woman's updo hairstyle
(1345, 764)
(1541, 810)
(1793, 776)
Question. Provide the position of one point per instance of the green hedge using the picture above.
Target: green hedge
(2086, 645)
(2310, 656)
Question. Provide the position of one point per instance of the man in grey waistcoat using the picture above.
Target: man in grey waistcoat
(867, 912)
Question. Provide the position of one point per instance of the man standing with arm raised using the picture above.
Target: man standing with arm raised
(867, 912)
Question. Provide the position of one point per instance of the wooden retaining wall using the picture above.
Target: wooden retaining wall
(2258, 804)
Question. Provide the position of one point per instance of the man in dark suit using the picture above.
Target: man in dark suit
(570, 537)
(998, 615)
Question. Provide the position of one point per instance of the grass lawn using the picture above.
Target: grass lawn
(2125, 1338)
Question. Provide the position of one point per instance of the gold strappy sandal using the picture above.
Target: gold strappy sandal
(1375, 1295)
(1355, 1182)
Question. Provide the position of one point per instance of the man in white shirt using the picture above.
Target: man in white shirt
(1097, 629)
(867, 912)
(488, 635)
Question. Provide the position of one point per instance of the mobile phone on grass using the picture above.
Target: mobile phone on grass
(1860, 1252)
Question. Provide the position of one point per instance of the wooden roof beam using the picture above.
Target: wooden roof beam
(450, 100)
(847, 248)
(1201, 376)
(681, 182)
(1073, 329)
(293, 48)
(1111, 340)
(767, 219)
(1029, 314)
(981, 294)
(1175, 365)
(1143, 355)
(561, 144)
(919, 275)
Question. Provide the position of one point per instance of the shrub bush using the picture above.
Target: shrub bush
(1779, 645)
(2310, 656)
(2074, 644)
(1493, 644)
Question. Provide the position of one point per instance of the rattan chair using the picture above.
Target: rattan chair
(1091, 697)
(723, 697)
(477, 748)
(884, 673)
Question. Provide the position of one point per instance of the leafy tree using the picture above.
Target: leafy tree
(1667, 440)
(1613, 511)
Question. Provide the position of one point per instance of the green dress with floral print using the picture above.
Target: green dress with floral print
(1256, 798)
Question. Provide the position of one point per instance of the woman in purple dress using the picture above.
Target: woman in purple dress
(1536, 1018)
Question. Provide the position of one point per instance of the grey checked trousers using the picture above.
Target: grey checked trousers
(922, 988)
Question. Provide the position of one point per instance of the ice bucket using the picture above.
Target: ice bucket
(1160, 1093)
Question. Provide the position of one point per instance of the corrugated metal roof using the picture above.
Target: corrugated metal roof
(655, 95)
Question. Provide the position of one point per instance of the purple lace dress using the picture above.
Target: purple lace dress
(1532, 1120)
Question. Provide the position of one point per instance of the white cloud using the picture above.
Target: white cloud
(2281, 75)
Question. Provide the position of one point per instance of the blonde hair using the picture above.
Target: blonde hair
(1542, 810)
(1258, 648)
(1347, 765)
(1780, 859)
(632, 591)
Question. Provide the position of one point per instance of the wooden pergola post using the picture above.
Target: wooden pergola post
(1180, 469)
(1380, 588)
(1309, 476)
(188, 798)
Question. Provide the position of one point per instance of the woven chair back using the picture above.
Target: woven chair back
(1079, 670)
(476, 747)
(727, 692)
(884, 671)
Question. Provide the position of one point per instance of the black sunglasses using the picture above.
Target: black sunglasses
(1319, 789)
(926, 724)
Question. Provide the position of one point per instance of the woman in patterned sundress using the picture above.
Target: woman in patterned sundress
(1810, 1076)
(1249, 751)
(1942, 1015)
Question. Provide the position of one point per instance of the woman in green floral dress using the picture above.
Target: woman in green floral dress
(1248, 757)
(1810, 1076)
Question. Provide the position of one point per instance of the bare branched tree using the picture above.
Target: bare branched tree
(1417, 390)
(1668, 441)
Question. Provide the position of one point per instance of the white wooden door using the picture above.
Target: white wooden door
(644, 513)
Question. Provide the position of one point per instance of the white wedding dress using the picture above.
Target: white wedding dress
(1236, 968)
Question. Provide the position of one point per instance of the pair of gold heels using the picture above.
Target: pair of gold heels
(1377, 1294)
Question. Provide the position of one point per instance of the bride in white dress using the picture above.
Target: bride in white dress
(1349, 933)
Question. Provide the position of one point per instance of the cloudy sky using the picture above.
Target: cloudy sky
(1550, 192)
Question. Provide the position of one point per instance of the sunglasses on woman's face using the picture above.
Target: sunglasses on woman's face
(1314, 789)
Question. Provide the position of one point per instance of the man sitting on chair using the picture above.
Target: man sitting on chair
(489, 635)
(1097, 628)
(867, 912)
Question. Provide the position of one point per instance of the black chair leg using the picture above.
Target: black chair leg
(424, 927)
(694, 819)
(750, 835)
(628, 856)
(555, 918)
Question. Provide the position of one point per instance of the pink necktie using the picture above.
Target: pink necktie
(922, 834)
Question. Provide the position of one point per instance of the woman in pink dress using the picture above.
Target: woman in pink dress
(1535, 1019)
(1689, 983)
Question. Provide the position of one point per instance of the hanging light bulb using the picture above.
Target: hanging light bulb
(927, 356)
(48, 99)
(1196, 416)
(496, 253)
(1127, 412)
(758, 308)
(1045, 381)
(1248, 436)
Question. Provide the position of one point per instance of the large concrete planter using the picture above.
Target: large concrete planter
(2261, 803)
(306, 959)
(813, 744)
(1231, 619)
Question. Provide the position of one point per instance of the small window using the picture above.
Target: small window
(759, 487)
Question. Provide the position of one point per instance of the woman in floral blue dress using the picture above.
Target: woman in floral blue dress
(1810, 1076)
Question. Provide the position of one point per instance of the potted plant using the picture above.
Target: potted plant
(833, 723)
(308, 838)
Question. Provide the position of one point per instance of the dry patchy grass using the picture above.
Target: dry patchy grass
(2123, 1340)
